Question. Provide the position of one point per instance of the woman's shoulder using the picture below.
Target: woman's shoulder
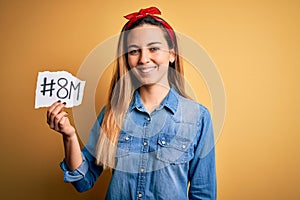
(191, 110)
(188, 103)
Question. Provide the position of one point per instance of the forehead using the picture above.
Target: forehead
(145, 34)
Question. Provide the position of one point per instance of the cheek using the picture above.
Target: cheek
(132, 61)
(163, 58)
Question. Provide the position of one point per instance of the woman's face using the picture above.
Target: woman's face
(149, 54)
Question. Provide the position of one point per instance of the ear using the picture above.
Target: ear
(172, 55)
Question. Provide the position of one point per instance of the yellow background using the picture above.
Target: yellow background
(255, 45)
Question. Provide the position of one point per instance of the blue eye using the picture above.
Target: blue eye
(133, 52)
(153, 49)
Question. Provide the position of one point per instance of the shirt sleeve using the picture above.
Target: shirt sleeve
(84, 177)
(202, 173)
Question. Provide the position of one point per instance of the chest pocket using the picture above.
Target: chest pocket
(124, 144)
(174, 150)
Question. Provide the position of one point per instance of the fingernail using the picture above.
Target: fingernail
(65, 103)
(59, 101)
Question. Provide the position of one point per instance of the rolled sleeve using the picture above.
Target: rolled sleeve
(84, 177)
(77, 174)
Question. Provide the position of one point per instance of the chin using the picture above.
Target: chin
(146, 82)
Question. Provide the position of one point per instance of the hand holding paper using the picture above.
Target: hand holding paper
(58, 120)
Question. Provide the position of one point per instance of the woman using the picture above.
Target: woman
(158, 143)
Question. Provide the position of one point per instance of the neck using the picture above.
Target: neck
(153, 95)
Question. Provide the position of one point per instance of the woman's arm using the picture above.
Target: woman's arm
(202, 173)
(58, 120)
(79, 165)
(73, 156)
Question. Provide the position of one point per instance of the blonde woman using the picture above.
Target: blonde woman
(158, 143)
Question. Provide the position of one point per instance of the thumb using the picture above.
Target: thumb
(65, 125)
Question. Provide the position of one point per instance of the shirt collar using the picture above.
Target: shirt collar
(170, 101)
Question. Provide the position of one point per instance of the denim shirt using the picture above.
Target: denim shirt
(168, 154)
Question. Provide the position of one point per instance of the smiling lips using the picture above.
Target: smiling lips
(146, 69)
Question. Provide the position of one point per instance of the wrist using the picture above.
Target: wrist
(69, 136)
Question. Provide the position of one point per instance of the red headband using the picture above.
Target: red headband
(133, 17)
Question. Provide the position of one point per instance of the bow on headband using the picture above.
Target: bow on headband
(133, 17)
(142, 13)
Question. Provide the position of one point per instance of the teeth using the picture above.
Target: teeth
(146, 70)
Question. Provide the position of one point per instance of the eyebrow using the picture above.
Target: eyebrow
(136, 46)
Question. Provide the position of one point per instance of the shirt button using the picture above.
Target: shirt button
(142, 170)
(127, 138)
(145, 143)
(140, 195)
(148, 119)
(163, 142)
(183, 146)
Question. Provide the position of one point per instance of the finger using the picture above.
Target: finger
(65, 126)
(58, 120)
(51, 114)
(62, 122)
(57, 110)
(51, 108)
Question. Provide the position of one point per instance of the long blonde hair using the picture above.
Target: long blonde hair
(121, 93)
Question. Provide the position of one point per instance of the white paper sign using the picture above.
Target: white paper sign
(54, 86)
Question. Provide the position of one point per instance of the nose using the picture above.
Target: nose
(144, 56)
